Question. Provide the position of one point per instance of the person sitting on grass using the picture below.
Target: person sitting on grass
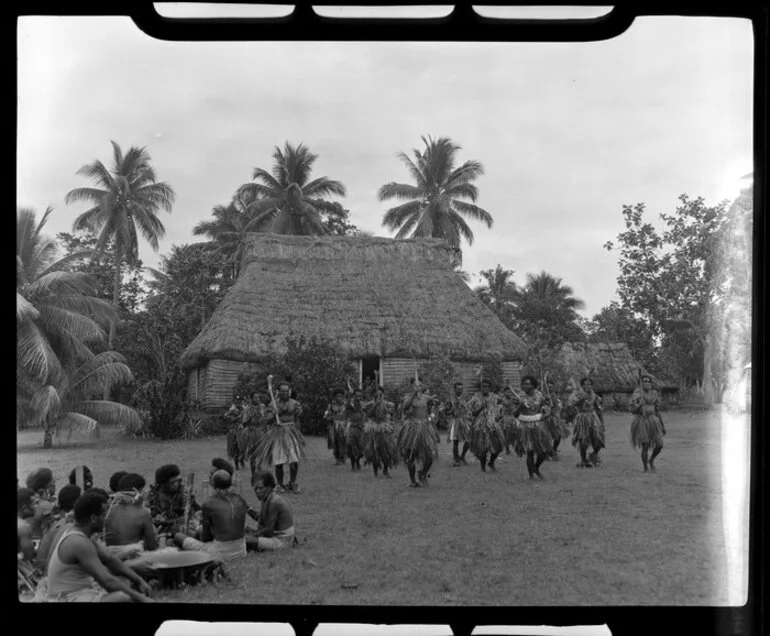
(66, 499)
(79, 570)
(128, 525)
(115, 480)
(42, 483)
(167, 501)
(83, 477)
(275, 523)
(25, 546)
(222, 524)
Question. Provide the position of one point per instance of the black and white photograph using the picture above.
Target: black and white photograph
(384, 323)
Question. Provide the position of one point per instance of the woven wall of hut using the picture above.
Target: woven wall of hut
(397, 370)
(219, 379)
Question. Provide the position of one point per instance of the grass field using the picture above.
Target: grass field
(611, 535)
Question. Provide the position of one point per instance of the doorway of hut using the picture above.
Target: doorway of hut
(369, 365)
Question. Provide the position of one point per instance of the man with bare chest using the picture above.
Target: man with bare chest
(128, 526)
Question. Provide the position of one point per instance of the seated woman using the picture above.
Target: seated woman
(275, 523)
(128, 524)
(223, 522)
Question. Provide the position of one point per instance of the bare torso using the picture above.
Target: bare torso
(225, 516)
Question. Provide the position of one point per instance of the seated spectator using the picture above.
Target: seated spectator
(79, 570)
(24, 512)
(63, 516)
(42, 483)
(128, 524)
(223, 522)
(83, 477)
(167, 500)
(275, 529)
(221, 464)
(115, 480)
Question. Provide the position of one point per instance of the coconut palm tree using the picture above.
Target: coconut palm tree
(285, 200)
(225, 230)
(544, 297)
(57, 316)
(434, 206)
(126, 201)
(499, 291)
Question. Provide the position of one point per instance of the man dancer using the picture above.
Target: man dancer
(418, 438)
(486, 435)
(534, 439)
(379, 442)
(354, 435)
(336, 418)
(588, 428)
(282, 443)
(223, 522)
(647, 428)
(456, 412)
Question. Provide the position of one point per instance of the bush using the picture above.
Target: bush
(163, 406)
(493, 372)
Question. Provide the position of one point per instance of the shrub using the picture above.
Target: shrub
(163, 406)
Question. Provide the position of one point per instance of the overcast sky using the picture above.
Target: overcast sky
(567, 132)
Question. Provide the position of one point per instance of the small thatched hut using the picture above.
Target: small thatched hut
(614, 371)
(384, 302)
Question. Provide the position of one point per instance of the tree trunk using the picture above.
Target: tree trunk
(708, 383)
(114, 321)
(48, 437)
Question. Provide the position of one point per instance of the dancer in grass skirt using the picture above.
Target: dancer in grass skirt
(354, 431)
(647, 428)
(487, 438)
(234, 425)
(379, 442)
(281, 442)
(456, 412)
(335, 435)
(555, 423)
(588, 429)
(532, 436)
(253, 427)
(508, 421)
(418, 439)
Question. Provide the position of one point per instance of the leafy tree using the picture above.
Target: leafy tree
(499, 292)
(126, 200)
(163, 405)
(336, 221)
(57, 318)
(436, 204)
(617, 324)
(670, 279)
(285, 200)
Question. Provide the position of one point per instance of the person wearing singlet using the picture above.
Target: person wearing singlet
(81, 571)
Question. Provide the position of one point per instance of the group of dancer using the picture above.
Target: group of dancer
(527, 421)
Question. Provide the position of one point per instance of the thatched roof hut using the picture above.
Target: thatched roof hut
(382, 301)
(613, 370)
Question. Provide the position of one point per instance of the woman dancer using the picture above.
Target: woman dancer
(554, 423)
(354, 436)
(533, 438)
(487, 437)
(336, 417)
(418, 438)
(588, 429)
(508, 423)
(379, 442)
(647, 429)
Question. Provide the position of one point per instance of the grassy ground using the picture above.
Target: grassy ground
(605, 536)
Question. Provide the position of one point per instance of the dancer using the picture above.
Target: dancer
(533, 438)
(456, 411)
(233, 419)
(418, 438)
(508, 422)
(487, 437)
(647, 428)
(282, 443)
(335, 416)
(251, 430)
(554, 423)
(354, 431)
(588, 428)
(379, 442)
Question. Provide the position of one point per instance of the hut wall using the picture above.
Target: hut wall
(397, 370)
(219, 379)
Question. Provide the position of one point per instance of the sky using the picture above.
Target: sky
(567, 132)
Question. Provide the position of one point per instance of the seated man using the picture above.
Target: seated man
(128, 525)
(42, 483)
(83, 477)
(79, 570)
(115, 480)
(275, 529)
(222, 524)
(67, 497)
(25, 547)
(167, 500)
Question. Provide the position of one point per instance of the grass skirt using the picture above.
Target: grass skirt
(646, 429)
(335, 438)
(354, 439)
(487, 437)
(510, 426)
(279, 444)
(233, 447)
(533, 437)
(459, 429)
(588, 430)
(418, 441)
(556, 427)
(380, 445)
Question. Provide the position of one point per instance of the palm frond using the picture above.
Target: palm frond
(461, 226)
(463, 191)
(105, 370)
(268, 181)
(414, 169)
(97, 172)
(473, 212)
(46, 403)
(35, 359)
(469, 171)
(402, 191)
(61, 282)
(25, 309)
(110, 414)
(324, 187)
(395, 217)
(408, 226)
(92, 219)
(77, 422)
(58, 320)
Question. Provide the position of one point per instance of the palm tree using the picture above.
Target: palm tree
(57, 316)
(434, 206)
(226, 230)
(126, 198)
(544, 297)
(499, 290)
(285, 200)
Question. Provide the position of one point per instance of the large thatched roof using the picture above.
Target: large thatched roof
(614, 368)
(369, 296)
